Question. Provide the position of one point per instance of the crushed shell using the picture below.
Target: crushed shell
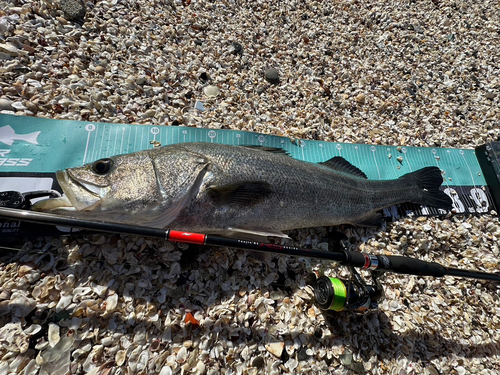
(401, 73)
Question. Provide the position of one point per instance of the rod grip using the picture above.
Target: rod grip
(411, 266)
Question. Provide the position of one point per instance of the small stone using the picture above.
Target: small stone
(62, 20)
(18, 106)
(272, 76)
(491, 95)
(199, 106)
(318, 333)
(74, 10)
(261, 90)
(302, 354)
(418, 29)
(258, 362)
(31, 106)
(237, 48)
(346, 358)
(358, 368)
(149, 113)
(311, 278)
(100, 69)
(29, 49)
(360, 98)
(275, 348)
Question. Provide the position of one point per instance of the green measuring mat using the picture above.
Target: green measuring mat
(32, 149)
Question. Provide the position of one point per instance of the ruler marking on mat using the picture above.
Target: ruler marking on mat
(65, 144)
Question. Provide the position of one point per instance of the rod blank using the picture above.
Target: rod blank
(396, 264)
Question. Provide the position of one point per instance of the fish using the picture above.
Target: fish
(8, 136)
(234, 190)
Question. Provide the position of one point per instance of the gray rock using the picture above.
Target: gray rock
(302, 354)
(258, 362)
(346, 358)
(272, 76)
(74, 10)
(6, 104)
(491, 94)
(237, 48)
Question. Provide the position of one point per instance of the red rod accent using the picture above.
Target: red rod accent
(186, 237)
(367, 261)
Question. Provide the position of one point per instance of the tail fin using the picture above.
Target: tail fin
(31, 137)
(429, 179)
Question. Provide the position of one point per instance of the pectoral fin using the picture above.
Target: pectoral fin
(243, 193)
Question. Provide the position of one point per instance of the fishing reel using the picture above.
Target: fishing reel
(353, 295)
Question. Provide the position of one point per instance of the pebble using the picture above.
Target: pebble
(318, 333)
(204, 76)
(346, 358)
(31, 50)
(302, 354)
(100, 69)
(237, 48)
(145, 62)
(491, 94)
(6, 104)
(258, 362)
(18, 106)
(272, 76)
(73, 10)
(360, 98)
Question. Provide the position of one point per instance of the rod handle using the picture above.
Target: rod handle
(411, 266)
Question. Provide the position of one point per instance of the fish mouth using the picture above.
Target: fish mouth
(78, 196)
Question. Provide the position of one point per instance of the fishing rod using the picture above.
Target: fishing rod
(330, 293)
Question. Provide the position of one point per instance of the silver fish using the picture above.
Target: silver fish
(234, 190)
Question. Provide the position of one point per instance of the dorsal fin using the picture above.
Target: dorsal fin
(274, 150)
(339, 164)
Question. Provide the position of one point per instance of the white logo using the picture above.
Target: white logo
(8, 136)
(13, 162)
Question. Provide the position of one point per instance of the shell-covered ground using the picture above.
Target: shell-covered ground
(410, 73)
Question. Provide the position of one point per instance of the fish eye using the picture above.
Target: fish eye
(102, 166)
